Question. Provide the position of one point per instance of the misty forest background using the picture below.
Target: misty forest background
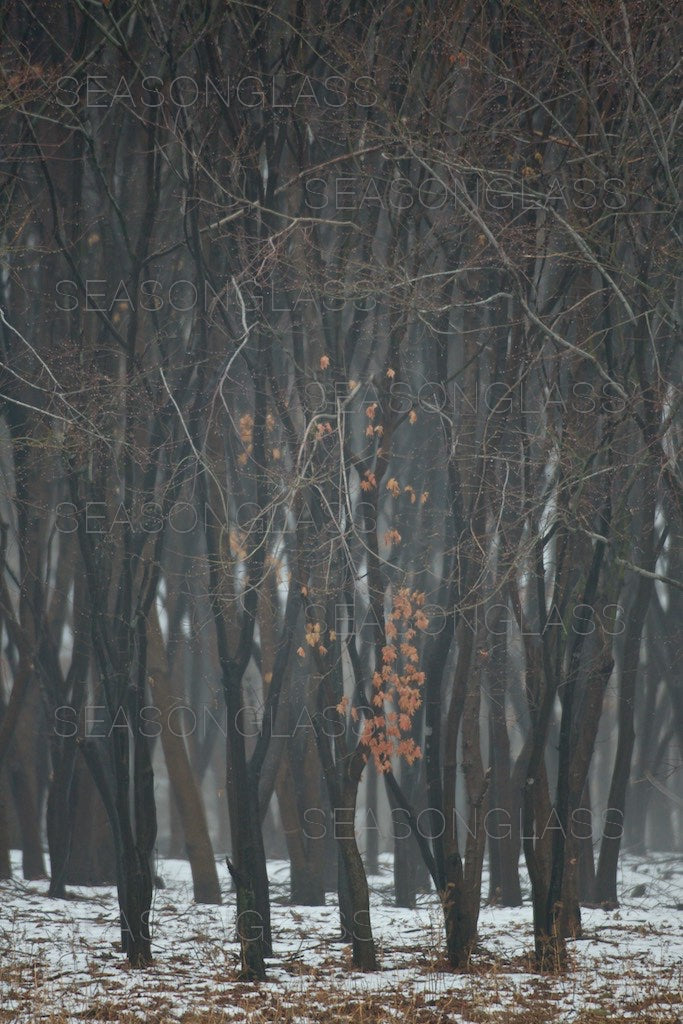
(340, 412)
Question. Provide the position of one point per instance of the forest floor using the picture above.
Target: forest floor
(60, 960)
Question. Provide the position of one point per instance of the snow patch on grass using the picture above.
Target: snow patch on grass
(60, 960)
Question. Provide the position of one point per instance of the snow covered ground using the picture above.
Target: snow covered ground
(60, 961)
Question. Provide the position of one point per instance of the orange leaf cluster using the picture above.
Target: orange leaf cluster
(246, 437)
(246, 428)
(370, 431)
(312, 633)
(321, 429)
(397, 684)
(313, 638)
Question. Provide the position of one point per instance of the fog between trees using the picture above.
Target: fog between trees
(340, 383)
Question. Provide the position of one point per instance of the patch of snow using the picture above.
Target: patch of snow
(61, 960)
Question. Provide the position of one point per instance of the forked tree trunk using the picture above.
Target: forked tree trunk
(133, 852)
(342, 780)
(461, 892)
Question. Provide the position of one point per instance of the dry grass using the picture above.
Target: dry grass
(485, 994)
(318, 1008)
(68, 970)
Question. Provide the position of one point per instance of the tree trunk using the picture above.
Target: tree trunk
(504, 884)
(93, 857)
(305, 846)
(249, 927)
(371, 825)
(585, 844)
(186, 794)
(405, 865)
(26, 790)
(362, 942)
(606, 877)
(60, 817)
(5, 863)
